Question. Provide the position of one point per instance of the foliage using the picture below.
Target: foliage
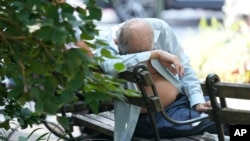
(33, 34)
(41, 137)
(221, 50)
(4, 136)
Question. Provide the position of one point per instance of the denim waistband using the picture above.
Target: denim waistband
(179, 96)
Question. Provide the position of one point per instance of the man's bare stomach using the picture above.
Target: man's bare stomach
(166, 91)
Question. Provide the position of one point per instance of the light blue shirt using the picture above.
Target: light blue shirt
(126, 115)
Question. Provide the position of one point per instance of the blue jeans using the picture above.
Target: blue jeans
(178, 110)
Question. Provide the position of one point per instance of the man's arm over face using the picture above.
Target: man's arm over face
(128, 60)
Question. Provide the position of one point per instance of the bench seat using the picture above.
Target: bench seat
(104, 123)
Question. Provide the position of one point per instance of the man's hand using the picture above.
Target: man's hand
(202, 107)
(168, 60)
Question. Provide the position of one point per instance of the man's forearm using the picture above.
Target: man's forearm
(155, 54)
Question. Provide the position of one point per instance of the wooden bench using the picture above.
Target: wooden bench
(218, 92)
(221, 113)
(104, 122)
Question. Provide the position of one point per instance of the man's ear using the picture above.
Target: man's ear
(116, 41)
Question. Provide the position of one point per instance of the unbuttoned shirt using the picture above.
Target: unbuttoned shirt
(126, 115)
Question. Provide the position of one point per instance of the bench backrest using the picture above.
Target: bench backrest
(220, 112)
(219, 91)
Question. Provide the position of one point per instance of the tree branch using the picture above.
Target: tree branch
(2, 18)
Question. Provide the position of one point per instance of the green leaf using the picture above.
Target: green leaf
(95, 13)
(34, 92)
(5, 124)
(132, 93)
(35, 53)
(39, 108)
(3, 138)
(15, 92)
(58, 35)
(47, 22)
(82, 12)
(44, 33)
(120, 67)
(50, 85)
(68, 17)
(26, 113)
(50, 107)
(18, 4)
(101, 42)
(24, 15)
(105, 52)
(67, 96)
(64, 122)
(2, 101)
(22, 122)
(94, 106)
(66, 8)
(75, 83)
(87, 37)
(52, 13)
(21, 138)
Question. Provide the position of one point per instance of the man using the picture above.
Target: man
(153, 42)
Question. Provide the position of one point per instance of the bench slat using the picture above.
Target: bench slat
(233, 90)
(101, 119)
(104, 123)
(195, 137)
(189, 138)
(108, 114)
(93, 124)
(233, 116)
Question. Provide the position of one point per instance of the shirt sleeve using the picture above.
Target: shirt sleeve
(128, 60)
(190, 82)
(167, 41)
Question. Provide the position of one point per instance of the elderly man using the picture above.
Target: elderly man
(153, 42)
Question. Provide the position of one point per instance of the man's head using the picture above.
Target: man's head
(136, 35)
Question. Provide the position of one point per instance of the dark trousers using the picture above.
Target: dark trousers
(178, 110)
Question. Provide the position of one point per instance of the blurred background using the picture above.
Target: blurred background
(214, 33)
(127, 9)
